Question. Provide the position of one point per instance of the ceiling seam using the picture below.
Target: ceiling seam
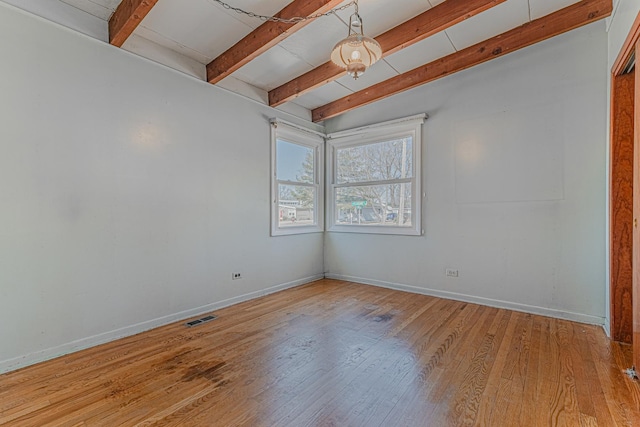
(449, 38)
(174, 41)
(89, 13)
(392, 67)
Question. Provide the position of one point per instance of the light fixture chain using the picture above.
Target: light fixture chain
(293, 20)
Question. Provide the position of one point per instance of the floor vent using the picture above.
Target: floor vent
(201, 321)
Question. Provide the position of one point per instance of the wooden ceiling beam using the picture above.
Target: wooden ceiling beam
(418, 28)
(569, 18)
(126, 18)
(265, 37)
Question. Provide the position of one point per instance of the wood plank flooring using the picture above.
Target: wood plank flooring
(335, 353)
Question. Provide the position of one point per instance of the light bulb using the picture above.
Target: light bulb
(356, 52)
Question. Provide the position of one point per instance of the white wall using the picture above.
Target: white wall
(514, 172)
(128, 194)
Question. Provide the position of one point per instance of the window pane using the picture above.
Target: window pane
(375, 162)
(295, 162)
(295, 205)
(388, 204)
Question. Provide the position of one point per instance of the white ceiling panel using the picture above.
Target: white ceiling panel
(245, 89)
(102, 9)
(540, 8)
(187, 34)
(170, 44)
(314, 42)
(196, 25)
(377, 73)
(421, 53)
(271, 69)
(163, 55)
(323, 95)
(259, 7)
(490, 23)
(379, 16)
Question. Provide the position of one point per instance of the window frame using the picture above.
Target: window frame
(281, 130)
(383, 132)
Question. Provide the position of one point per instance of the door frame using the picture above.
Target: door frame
(624, 197)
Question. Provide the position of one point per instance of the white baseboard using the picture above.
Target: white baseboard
(549, 312)
(607, 327)
(83, 343)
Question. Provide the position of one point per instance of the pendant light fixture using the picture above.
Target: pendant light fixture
(357, 52)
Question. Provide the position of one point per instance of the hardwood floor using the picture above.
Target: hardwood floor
(336, 353)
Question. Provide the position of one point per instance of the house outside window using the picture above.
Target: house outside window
(297, 180)
(374, 180)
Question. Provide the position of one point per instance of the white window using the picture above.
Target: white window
(373, 183)
(297, 183)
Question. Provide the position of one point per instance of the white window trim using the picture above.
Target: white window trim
(379, 132)
(307, 138)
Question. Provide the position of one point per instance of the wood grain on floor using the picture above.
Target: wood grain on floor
(335, 353)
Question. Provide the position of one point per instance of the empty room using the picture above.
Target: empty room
(319, 213)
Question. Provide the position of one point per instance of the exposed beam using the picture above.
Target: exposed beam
(420, 27)
(569, 18)
(265, 37)
(126, 18)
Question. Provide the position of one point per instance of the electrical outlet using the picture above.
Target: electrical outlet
(236, 276)
(451, 273)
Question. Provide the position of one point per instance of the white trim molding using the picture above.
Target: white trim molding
(509, 305)
(292, 135)
(84, 343)
(410, 120)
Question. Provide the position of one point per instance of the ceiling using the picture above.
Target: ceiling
(199, 31)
